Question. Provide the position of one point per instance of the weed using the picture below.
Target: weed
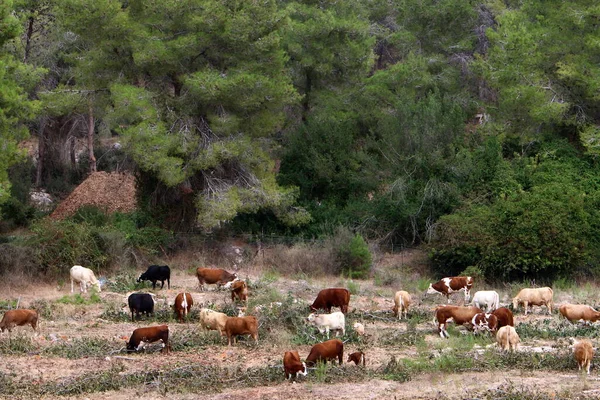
(44, 308)
(8, 304)
(80, 348)
(16, 344)
(79, 299)
(353, 287)
(124, 283)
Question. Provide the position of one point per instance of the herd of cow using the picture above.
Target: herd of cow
(495, 320)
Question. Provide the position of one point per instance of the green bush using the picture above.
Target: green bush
(355, 258)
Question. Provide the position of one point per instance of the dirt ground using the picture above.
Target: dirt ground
(79, 321)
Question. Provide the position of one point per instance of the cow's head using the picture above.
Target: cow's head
(142, 277)
(311, 317)
(227, 286)
(304, 371)
(431, 290)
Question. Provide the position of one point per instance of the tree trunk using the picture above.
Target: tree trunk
(91, 139)
(41, 153)
(28, 38)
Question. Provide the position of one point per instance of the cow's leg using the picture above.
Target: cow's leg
(327, 331)
(168, 283)
(153, 284)
(163, 284)
(82, 287)
(71, 285)
(526, 305)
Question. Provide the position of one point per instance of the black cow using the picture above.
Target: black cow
(157, 273)
(140, 303)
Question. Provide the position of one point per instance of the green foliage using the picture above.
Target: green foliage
(78, 299)
(355, 258)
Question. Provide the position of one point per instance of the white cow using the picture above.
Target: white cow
(326, 322)
(213, 320)
(488, 299)
(85, 277)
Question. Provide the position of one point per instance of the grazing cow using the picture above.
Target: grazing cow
(332, 297)
(215, 276)
(326, 322)
(507, 338)
(583, 351)
(213, 320)
(447, 286)
(85, 277)
(140, 303)
(484, 322)
(328, 350)
(142, 336)
(239, 290)
(534, 297)
(359, 328)
(292, 365)
(401, 303)
(460, 315)
(579, 312)
(156, 273)
(488, 299)
(18, 317)
(358, 358)
(236, 326)
(183, 303)
(504, 316)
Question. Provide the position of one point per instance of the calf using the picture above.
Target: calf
(359, 328)
(213, 276)
(358, 358)
(504, 316)
(507, 338)
(583, 351)
(460, 315)
(332, 297)
(579, 312)
(140, 303)
(292, 365)
(326, 322)
(183, 303)
(239, 290)
(486, 298)
(401, 303)
(483, 322)
(447, 286)
(236, 326)
(534, 297)
(328, 350)
(141, 336)
(213, 320)
(156, 273)
(18, 317)
(85, 277)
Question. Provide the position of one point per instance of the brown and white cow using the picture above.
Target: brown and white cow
(183, 303)
(141, 336)
(504, 316)
(358, 357)
(508, 338)
(236, 326)
(292, 365)
(460, 316)
(401, 303)
(332, 297)
(483, 322)
(239, 290)
(447, 286)
(583, 351)
(18, 317)
(579, 312)
(534, 297)
(214, 276)
(328, 350)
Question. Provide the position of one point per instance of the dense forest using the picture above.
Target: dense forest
(468, 127)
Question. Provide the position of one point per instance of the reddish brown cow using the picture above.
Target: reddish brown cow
(332, 297)
(358, 358)
(183, 303)
(504, 316)
(447, 286)
(460, 315)
(328, 350)
(239, 289)
(236, 326)
(292, 365)
(151, 334)
(214, 276)
(19, 317)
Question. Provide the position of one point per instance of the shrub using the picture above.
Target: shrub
(354, 257)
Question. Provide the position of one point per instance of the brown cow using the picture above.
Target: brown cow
(292, 365)
(484, 322)
(235, 326)
(183, 303)
(332, 297)
(447, 286)
(327, 350)
(504, 316)
(239, 289)
(460, 315)
(583, 351)
(534, 297)
(358, 358)
(18, 317)
(217, 276)
(579, 312)
(151, 334)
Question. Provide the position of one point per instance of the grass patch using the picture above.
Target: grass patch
(124, 283)
(17, 344)
(81, 348)
(553, 329)
(78, 299)
(8, 305)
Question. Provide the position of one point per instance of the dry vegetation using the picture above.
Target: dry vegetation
(79, 351)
